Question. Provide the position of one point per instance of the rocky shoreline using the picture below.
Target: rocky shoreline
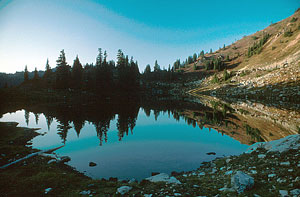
(259, 172)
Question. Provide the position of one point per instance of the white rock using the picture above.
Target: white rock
(48, 190)
(164, 178)
(283, 193)
(88, 192)
(261, 156)
(201, 174)
(123, 190)
(281, 145)
(177, 194)
(147, 195)
(228, 160)
(241, 181)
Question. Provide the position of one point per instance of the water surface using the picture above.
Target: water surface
(128, 145)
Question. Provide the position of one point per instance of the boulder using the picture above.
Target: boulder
(123, 190)
(241, 181)
(281, 145)
(163, 177)
(92, 164)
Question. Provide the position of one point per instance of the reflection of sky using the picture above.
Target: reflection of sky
(164, 145)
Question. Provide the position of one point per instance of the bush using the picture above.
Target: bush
(273, 47)
(294, 19)
(288, 33)
(215, 79)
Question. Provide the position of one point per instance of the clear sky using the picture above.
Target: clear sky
(33, 30)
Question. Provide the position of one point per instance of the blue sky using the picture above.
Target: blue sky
(33, 30)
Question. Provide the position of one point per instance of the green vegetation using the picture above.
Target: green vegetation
(215, 79)
(288, 33)
(294, 20)
(254, 133)
(226, 75)
(256, 48)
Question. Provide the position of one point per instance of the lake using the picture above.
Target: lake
(125, 143)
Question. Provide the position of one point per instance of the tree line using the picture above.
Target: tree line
(104, 75)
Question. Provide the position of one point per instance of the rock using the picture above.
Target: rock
(177, 194)
(225, 189)
(241, 181)
(228, 160)
(228, 172)
(279, 180)
(147, 195)
(201, 174)
(261, 156)
(295, 192)
(87, 192)
(154, 173)
(287, 163)
(48, 190)
(131, 180)
(271, 175)
(164, 178)
(123, 190)
(211, 153)
(92, 164)
(52, 161)
(64, 159)
(281, 145)
(283, 193)
(253, 172)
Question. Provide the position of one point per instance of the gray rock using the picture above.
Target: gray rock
(123, 190)
(64, 159)
(271, 175)
(87, 192)
(228, 172)
(283, 193)
(295, 192)
(52, 161)
(261, 156)
(241, 181)
(48, 190)
(287, 163)
(163, 177)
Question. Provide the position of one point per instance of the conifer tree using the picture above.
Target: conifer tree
(62, 71)
(77, 73)
(156, 66)
(26, 76)
(36, 75)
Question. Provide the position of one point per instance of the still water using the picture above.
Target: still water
(149, 143)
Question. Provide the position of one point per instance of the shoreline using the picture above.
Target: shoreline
(273, 172)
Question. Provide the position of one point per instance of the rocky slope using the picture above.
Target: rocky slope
(270, 72)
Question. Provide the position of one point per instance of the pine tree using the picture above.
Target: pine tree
(77, 73)
(36, 75)
(26, 75)
(147, 69)
(202, 53)
(156, 66)
(62, 71)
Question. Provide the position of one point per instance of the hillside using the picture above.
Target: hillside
(269, 58)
